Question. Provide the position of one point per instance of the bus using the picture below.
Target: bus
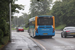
(42, 26)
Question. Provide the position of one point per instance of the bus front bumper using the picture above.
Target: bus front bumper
(45, 34)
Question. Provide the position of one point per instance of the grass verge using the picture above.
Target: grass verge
(60, 27)
(25, 28)
(5, 39)
(13, 29)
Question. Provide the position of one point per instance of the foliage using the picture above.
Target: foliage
(14, 21)
(1, 34)
(4, 17)
(5, 39)
(4, 8)
(20, 21)
(14, 6)
(60, 27)
(4, 29)
(25, 28)
(39, 8)
(64, 12)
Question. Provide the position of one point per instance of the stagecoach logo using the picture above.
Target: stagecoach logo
(45, 29)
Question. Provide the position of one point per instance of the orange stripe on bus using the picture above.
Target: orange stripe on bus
(36, 22)
(53, 22)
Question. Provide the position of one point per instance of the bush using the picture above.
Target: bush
(2, 25)
(1, 35)
(4, 29)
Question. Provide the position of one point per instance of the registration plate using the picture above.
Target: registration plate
(44, 33)
(72, 33)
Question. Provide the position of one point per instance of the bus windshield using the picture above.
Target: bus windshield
(45, 21)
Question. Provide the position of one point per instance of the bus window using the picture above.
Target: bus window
(32, 24)
(45, 21)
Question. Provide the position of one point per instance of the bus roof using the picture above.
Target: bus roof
(32, 19)
(45, 16)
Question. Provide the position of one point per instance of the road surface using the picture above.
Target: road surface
(57, 43)
(25, 42)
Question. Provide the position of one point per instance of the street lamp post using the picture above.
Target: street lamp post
(10, 19)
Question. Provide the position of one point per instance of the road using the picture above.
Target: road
(24, 42)
(57, 43)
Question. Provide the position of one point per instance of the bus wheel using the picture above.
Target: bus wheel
(33, 36)
(30, 34)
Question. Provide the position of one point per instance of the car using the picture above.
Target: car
(19, 29)
(68, 31)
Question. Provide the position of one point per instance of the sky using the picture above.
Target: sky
(26, 4)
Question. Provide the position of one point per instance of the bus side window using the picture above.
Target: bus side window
(33, 23)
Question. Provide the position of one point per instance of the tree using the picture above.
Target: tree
(15, 21)
(64, 12)
(57, 12)
(40, 8)
(4, 16)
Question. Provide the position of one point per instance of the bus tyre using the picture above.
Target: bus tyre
(33, 36)
(30, 35)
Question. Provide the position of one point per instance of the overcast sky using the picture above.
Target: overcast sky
(26, 4)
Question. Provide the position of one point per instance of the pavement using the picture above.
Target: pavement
(21, 42)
